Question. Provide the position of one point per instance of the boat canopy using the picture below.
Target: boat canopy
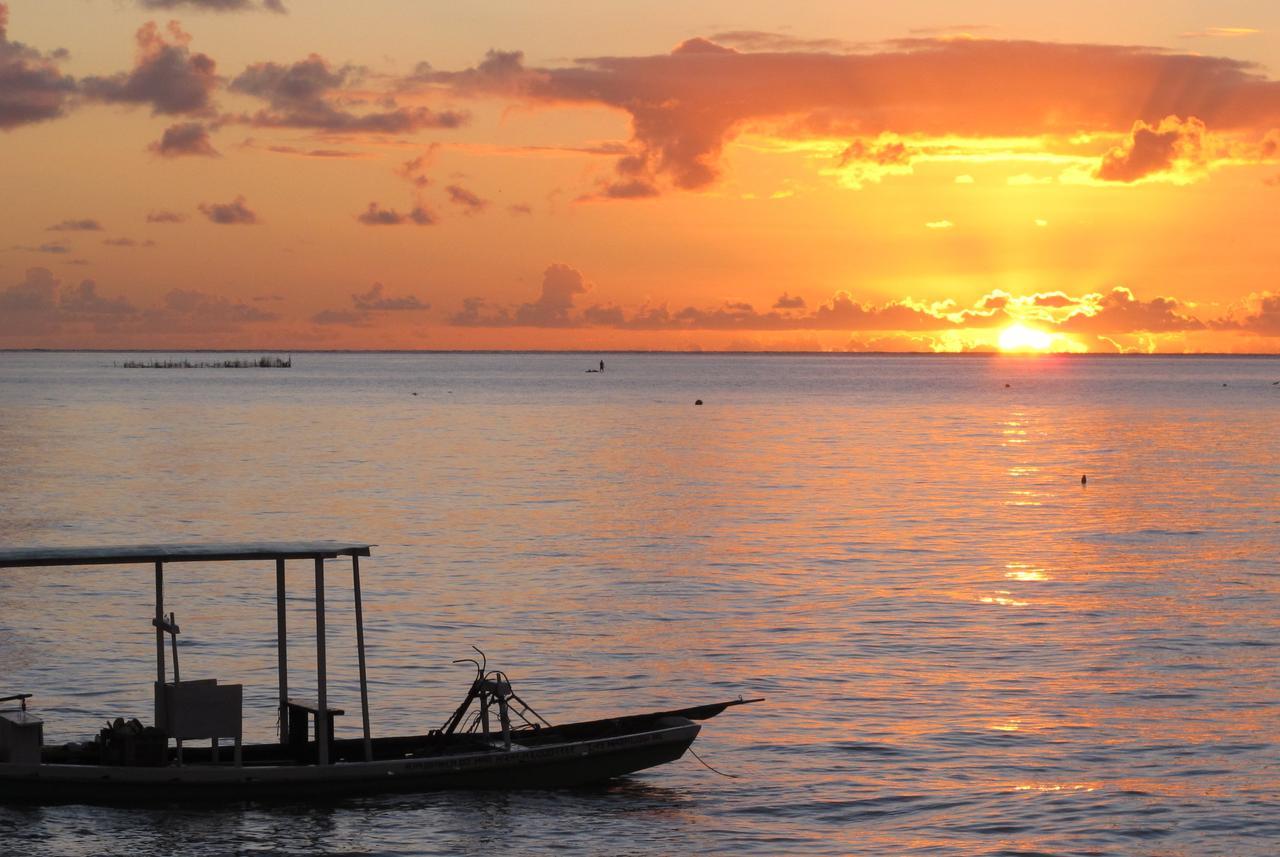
(166, 553)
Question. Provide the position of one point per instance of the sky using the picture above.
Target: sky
(826, 176)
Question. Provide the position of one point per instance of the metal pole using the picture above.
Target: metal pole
(364, 682)
(282, 653)
(160, 626)
(322, 714)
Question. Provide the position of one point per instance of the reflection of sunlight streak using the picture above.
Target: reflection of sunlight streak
(1003, 598)
(1024, 572)
(1058, 787)
(1013, 725)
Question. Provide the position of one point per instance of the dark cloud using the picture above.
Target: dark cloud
(414, 170)
(789, 302)
(375, 215)
(886, 154)
(1154, 149)
(38, 304)
(1262, 319)
(191, 311)
(465, 199)
(313, 94)
(86, 224)
(686, 105)
(374, 300)
(185, 138)
(32, 89)
(52, 247)
(229, 213)
(165, 75)
(163, 216)
(313, 153)
(561, 284)
(128, 242)
(623, 189)
(217, 5)
(1119, 311)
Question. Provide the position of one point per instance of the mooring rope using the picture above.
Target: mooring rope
(695, 755)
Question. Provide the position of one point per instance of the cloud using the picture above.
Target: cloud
(375, 215)
(1261, 316)
(191, 311)
(38, 304)
(686, 105)
(560, 284)
(86, 224)
(163, 216)
(185, 138)
(761, 40)
(217, 5)
(623, 189)
(127, 242)
(313, 94)
(939, 224)
(53, 247)
(1221, 33)
(229, 213)
(314, 153)
(165, 75)
(32, 89)
(365, 306)
(1171, 147)
(789, 302)
(374, 300)
(520, 208)
(1119, 311)
(465, 199)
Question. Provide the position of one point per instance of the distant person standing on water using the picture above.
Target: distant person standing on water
(601, 365)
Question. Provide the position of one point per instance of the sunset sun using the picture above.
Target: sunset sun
(1019, 337)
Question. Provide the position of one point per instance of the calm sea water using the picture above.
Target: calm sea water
(964, 650)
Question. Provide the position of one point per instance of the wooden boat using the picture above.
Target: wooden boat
(493, 740)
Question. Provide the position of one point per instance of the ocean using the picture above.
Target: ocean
(963, 649)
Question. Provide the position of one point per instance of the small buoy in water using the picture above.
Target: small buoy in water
(1084, 479)
(1006, 386)
(1224, 384)
(698, 402)
(415, 394)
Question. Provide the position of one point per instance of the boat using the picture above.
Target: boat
(492, 740)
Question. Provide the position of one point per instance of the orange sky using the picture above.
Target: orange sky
(180, 174)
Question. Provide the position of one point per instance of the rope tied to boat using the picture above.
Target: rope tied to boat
(695, 755)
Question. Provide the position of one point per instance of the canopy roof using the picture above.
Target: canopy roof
(207, 552)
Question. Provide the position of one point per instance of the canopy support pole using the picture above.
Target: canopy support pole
(364, 681)
(159, 623)
(322, 714)
(282, 654)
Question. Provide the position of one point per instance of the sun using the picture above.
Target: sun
(1018, 337)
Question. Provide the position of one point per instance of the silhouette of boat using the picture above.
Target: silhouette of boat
(493, 740)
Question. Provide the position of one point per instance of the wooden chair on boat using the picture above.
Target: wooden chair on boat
(192, 710)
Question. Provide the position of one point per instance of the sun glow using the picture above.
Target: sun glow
(1018, 337)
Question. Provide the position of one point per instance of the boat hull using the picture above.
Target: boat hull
(553, 765)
